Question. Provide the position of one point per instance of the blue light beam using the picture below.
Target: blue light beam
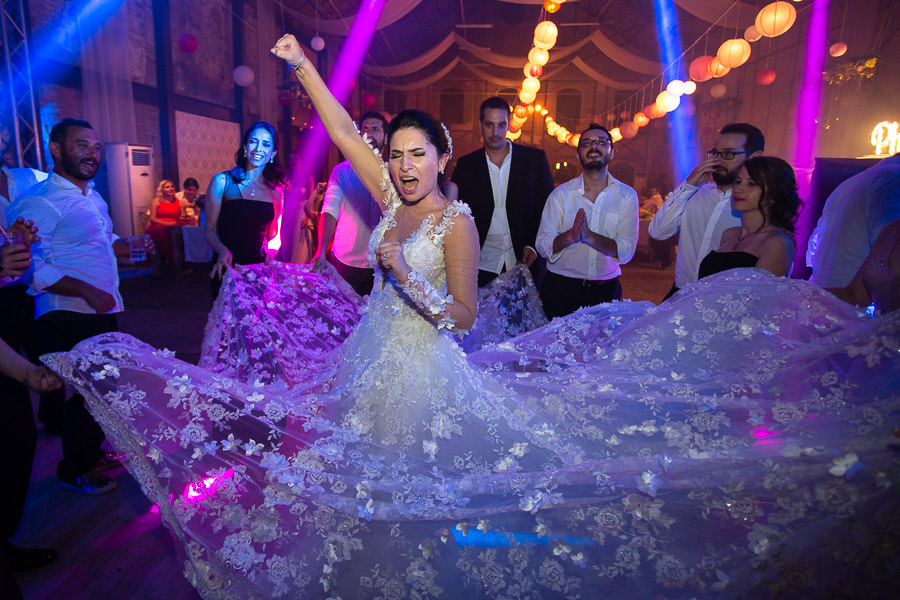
(682, 133)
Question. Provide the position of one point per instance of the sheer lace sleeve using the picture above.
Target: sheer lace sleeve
(456, 309)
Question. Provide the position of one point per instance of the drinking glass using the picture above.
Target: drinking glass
(137, 248)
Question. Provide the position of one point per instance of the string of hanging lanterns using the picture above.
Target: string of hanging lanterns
(772, 20)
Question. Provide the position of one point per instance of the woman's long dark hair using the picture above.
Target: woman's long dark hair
(272, 173)
(428, 125)
(779, 186)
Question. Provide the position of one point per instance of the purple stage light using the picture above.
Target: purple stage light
(808, 105)
(340, 82)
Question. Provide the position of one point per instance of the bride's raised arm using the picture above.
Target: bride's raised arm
(337, 122)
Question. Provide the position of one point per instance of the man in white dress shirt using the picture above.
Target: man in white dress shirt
(75, 283)
(589, 228)
(349, 214)
(854, 215)
(699, 210)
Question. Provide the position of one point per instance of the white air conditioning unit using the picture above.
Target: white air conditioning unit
(125, 181)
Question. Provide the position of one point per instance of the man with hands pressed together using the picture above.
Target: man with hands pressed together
(699, 209)
(588, 228)
(74, 279)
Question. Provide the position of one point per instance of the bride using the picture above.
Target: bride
(737, 441)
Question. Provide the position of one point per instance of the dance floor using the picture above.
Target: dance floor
(114, 546)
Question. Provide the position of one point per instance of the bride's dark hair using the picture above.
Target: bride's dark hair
(425, 123)
(272, 173)
(779, 185)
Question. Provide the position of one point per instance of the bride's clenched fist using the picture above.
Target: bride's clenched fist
(288, 49)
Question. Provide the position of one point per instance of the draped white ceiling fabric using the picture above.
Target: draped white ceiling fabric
(712, 10)
(616, 53)
(707, 10)
(393, 12)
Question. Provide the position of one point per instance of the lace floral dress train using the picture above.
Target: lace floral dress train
(737, 441)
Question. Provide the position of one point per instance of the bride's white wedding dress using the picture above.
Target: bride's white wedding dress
(736, 441)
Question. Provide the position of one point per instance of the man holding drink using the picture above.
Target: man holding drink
(75, 283)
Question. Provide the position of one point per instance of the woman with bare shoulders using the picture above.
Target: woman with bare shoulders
(765, 195)
(244, 204)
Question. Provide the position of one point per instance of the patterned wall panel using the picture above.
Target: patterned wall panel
(205, 146)
(207, 73)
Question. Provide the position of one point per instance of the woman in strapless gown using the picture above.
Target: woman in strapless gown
(736, 441)
(765, 195)
(244, 204)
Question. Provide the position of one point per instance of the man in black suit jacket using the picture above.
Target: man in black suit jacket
(503, 174)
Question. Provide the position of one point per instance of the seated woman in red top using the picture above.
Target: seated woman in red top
(164, 212)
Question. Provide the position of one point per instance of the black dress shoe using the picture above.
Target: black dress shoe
(89, 485)
(26, 559)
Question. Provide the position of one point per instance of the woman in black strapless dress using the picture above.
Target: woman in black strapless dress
(244, 204)
(765, 194)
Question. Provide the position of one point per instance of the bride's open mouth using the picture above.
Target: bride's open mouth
(408, 184)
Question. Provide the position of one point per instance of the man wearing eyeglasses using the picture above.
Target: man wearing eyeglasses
(699, 209)
(589, 228)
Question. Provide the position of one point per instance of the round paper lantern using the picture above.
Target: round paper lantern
(699, 69)
(641, 119)
(243, 75)
(667, 102)
(752, 34)
(765, 77)
(655, 112)
(836, 49)
(615, 134)
(529, 110)
(187, 43)
(532, 70)
(561, 135)
(688, 88)
(717, 90)
(544, 112)
(545, 35)
(675, 87)
(576, 137)
(531, 85)
(716, 68)
(317, 43)
(552, 127)
(550, 6)
(526, 97)
(368, 100)
(775, 18)
(514, 135)
(520, 111)
(538, 56)
(734, 52)
(628, 129)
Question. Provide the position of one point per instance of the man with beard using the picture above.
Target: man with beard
(75, 283)
(349, 214)
(699, 211)
(588, 228)
(506, 186)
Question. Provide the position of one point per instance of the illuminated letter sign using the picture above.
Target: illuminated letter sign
(884, 137)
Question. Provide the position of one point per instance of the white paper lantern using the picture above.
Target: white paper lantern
(243, 75)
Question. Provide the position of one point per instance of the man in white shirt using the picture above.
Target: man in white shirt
(74, 279)
(349, 214)
(698, 210)
(506, 186)
(588, 228)
(854, 215)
